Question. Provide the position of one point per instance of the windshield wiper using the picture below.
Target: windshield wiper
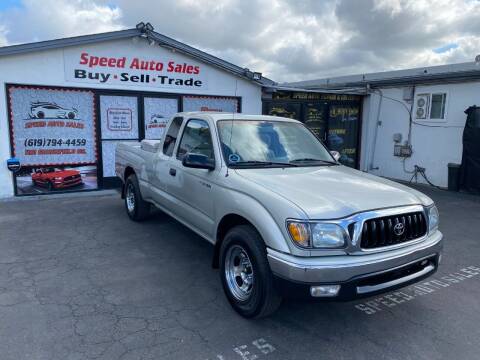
(261, 163)
(313, 160)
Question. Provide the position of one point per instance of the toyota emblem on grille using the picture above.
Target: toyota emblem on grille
(399, 229)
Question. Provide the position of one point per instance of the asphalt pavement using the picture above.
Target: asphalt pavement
(79, 280)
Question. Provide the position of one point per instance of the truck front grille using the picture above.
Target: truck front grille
(391, 230)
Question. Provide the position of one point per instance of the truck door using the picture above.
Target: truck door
(193, 188)
(161, 164)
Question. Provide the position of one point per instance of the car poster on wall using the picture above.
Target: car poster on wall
(52, 126)
(53, 136)
(210, 103)
(157, 112)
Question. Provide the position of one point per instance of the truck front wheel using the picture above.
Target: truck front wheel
(137, 208)
(245, 274)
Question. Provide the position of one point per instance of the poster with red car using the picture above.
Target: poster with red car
(53, 134)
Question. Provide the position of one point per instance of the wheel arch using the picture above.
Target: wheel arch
(128, 171)
(263, 223)
(228, 222)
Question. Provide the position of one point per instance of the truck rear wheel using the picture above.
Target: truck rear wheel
(245, 274)
(137, 208)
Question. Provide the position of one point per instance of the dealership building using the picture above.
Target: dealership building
(68, 102)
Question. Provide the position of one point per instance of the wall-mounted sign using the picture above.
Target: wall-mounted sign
(13, 164)
(131, 65)
(210, 103)
(52, 126)
(288, 95)
(119, 119)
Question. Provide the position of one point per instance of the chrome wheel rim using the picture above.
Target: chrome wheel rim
(239, 273)
(130, 198)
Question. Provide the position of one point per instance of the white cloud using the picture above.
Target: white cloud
(287, 40)
(3, 36)
(49, 19)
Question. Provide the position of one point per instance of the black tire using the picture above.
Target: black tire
(40, 114)
(263, 298)
(140, 209)
(71, 115)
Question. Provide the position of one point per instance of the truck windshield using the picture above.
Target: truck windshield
(259, 143)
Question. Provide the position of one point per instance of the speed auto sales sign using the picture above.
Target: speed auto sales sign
(52, 126)
(134, 65)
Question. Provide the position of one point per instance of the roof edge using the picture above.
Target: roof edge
(70, 41)
(138, 31)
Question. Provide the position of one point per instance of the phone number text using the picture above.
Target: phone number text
(45, 142)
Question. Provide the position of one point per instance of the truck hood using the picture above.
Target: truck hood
(330, 192)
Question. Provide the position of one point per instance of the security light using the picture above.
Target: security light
(140, 25)
(257, 76)
(149, 26)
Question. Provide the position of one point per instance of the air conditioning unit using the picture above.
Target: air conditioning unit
(422, 103)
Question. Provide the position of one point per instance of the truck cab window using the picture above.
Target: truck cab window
(171, 136)
(196, 139)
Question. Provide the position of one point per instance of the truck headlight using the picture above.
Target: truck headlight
(433, 219)
(317, 235)
(326, 235)
(58, 179)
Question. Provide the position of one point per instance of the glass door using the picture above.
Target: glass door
(119, 123)
(343, 127)
(315, 117)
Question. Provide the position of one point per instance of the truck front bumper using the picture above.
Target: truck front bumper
(357, 275)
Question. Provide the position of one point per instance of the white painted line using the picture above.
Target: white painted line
(379, 303)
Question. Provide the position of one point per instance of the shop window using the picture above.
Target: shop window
(157, 112)
(171, 137)
(211, 103)
(437, 108)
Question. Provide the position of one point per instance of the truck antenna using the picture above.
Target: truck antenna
(231, 126)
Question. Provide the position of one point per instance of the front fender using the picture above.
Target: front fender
(252, 210)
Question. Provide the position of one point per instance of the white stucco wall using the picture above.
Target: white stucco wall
(433, 147)
(48, 68)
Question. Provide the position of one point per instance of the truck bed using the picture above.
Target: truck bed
(135, 155)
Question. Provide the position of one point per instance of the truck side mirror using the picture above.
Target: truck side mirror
(198, 161)
(335, 154)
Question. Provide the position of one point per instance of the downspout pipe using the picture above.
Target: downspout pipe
(377, 125)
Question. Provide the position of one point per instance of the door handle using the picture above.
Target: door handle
(172, 172)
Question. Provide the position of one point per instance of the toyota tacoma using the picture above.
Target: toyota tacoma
(284, 216)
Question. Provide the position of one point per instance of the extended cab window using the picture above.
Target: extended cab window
(171, 136)
(196, 139)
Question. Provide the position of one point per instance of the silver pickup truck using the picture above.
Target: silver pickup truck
(285, 218)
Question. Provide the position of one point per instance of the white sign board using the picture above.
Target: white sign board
(157, 113)
(119, 117)
(134, 64)
(52, 126)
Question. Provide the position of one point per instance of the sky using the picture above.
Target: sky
(286, 40)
